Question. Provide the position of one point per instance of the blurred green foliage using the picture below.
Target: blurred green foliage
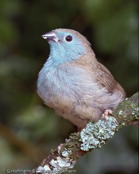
(112, 29)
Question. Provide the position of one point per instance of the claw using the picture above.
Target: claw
(106, 113)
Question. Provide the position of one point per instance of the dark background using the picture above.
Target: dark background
(28, 129)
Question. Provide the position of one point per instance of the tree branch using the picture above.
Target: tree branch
(91, 137)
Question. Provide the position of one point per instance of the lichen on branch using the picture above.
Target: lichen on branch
(95, 135)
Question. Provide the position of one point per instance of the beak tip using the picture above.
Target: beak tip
(50, 36)
(44, 36)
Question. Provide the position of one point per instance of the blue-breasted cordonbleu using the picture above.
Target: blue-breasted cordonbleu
(73, 82)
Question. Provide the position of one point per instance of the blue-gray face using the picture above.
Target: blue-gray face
(64, 46)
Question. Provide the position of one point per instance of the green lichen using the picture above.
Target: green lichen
(120, 112)
(66, 153)
(72, 145)
(135, 113)
(40, 169)
(127, 111)
(123, 124)
(94, 135)
(58, 165)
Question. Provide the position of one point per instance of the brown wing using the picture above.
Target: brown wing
(99, 72)
(104, 77)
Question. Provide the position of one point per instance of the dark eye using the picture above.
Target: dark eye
(69, 38)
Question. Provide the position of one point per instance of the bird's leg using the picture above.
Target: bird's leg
(106, 113)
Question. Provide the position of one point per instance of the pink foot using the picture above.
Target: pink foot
(59, 148)
(106, 113)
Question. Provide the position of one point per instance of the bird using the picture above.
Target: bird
(73, 82)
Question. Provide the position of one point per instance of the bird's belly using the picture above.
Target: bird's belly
(69, 100)
(76, 99)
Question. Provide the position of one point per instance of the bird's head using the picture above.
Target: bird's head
(66, 45)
